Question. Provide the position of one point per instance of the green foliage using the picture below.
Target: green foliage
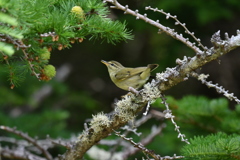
(45, 24)
(7, 27)
(59, 114)
(104, 28)
(7, 49)
(16, 74)
(198, 117)
(205, 114)
(215, 146)
(47, 122)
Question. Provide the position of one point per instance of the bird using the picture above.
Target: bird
(128, 78)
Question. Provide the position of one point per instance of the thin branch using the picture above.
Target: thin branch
(18, 43)
(31, 65)
(154, 132)
(168, 15)
(59, 142)
(139, 146)
(29, 139)
(161, 27)
(133, 130)
(168, 114)
(219, 89)
(18, 154)
(173, 76)
(5, 57)
(147, 108)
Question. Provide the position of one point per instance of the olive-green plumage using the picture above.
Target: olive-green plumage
(124, 77)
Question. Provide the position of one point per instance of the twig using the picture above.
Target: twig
(138, 145)
(22, 46)
(5, 57)
(219, 89)
(168, 15)
(60, 143)
(18, 154)
(16, 42)
(147, 108)
(161, 27)
(168, 114)
(31, 65)
(29, 139)
(143, 119)
(154, 132)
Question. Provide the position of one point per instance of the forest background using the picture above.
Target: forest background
(59, 108)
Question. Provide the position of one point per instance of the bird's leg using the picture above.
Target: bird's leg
(133, 90)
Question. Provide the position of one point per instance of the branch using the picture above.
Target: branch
(168, 114)
(126, 109)
(18, 154)
(29, 139)
(168, 15)
(131, 150)
(173, 76)
(139, 146)
(156, 23)
(219, 89)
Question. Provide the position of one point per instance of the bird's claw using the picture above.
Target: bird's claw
(133, 90)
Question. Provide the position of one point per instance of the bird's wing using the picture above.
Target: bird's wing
(129, 72)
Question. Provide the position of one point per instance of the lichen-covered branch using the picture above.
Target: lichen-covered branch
(173, 76)
(126, 109)
(219, 89)
(168, 114)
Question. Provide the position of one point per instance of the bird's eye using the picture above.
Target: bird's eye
(112, 64)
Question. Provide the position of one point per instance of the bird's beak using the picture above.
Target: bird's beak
(105, 62)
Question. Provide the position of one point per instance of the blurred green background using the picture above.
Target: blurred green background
(87, 89)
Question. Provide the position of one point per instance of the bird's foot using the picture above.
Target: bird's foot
(133, 90)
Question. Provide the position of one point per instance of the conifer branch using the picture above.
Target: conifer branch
(5, 57)
(53, 25)
(30, 64)
(217, 146)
